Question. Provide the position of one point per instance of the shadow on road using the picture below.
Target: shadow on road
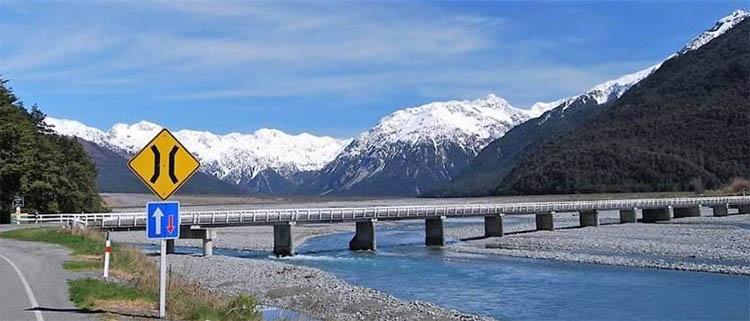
(86, 311)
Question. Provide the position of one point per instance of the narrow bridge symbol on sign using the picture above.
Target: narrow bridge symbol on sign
(163, 220)
(164, 165)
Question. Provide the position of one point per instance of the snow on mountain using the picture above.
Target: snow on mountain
(718, 29)
(416, 149)
(74, 128)
(231, 157)
(614, 89)
(601, 93)
(471, 123)
(538, 108)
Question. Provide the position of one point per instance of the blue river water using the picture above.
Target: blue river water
(509, 288)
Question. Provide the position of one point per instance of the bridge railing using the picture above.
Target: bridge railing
(348, 214)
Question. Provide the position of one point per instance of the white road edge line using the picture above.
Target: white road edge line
(26, 285)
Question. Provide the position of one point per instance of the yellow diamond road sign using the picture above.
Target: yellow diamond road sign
(164, 165)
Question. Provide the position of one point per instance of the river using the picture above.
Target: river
(509, 288)
(526, 289)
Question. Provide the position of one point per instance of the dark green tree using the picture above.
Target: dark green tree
(53, 173)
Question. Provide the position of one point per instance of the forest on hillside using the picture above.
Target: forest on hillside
(53, 173)
(685, 127)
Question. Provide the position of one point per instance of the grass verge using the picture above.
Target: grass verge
(89, 293)
(136, 285)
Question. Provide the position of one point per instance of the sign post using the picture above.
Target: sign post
(163, 165)
(18, 202)
(162, 223)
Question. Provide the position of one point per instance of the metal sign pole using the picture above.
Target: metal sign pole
(163, 218)
(163, 281)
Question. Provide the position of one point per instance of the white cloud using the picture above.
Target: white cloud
(231, 49)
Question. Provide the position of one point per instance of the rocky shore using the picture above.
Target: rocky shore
(310, 291)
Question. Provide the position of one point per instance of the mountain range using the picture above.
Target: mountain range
(486, 172)
(441, 148)
(263, 162)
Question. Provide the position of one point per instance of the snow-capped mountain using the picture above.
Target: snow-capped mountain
(718, 29)
(416, 149)
(236, 158)
(559, 118)
(600, 94)
(613, 89)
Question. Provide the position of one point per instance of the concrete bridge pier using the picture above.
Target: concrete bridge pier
(433, 228)
(493, 225)
(680, 212)
(742, 209)
(588, 218)
(627, 216)
(207, 235)
(364, 237)
(208, 244)
(283, 243)
(651, 215)
(170, 246)
(721, 210)
(545, 221)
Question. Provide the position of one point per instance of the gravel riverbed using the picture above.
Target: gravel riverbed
(706, 244)
(709, 244)
(310, 291)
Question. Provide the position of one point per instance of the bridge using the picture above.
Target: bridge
(201, 224)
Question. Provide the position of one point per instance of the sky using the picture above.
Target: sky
(327, 68)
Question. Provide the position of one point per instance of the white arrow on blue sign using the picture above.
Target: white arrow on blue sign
(163, 220)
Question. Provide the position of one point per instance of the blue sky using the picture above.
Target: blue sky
(330, 68)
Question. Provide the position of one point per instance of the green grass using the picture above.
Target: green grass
(84, 244)
(86, 292)
(79, 266)
(80, 244)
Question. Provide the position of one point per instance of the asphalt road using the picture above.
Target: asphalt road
(33, 284)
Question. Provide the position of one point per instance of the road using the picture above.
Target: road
(33, 284)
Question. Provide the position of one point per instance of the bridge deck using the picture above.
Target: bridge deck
(137, 220)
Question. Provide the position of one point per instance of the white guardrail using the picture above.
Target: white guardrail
(343, 214)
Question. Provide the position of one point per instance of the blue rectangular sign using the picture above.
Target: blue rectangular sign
(163, 220)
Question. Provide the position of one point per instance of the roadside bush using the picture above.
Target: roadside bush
(739, 185)
(242, 308)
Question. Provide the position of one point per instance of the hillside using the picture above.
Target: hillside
(501, 156)
(685, 127)
(496, 160)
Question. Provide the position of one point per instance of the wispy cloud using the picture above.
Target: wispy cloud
(184, 51)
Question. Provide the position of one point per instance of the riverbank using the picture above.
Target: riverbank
(704, 244)
(708, 244)
(312, 292)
